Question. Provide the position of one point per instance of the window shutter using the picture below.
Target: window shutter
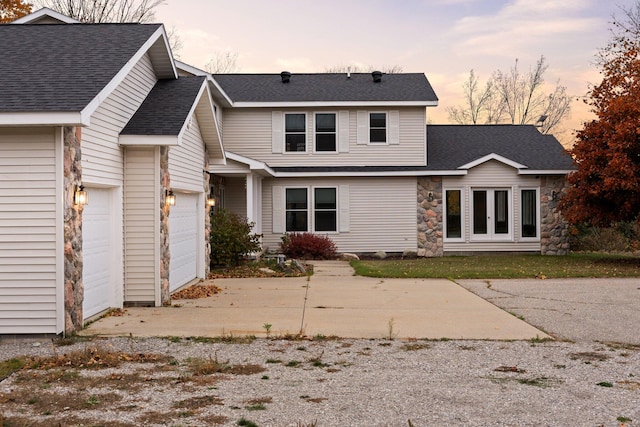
(345, 221)
(394, 127)
(277, 132)
(363, 128)
(343, 132)
(278, 209)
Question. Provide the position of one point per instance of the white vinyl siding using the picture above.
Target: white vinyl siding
(102, 157)
(249, 132)
(235, 199)
(30, 232)
(186, 161)
(369, 226)
(492, 175)
(142, 224)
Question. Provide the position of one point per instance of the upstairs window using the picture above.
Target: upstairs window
(326, 132)
(295, 136)
(378, 128)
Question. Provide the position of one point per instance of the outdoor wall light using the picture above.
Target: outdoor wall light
(81, 197)
(211, 201)
(170, 198)
(554, 195)
(430, 196)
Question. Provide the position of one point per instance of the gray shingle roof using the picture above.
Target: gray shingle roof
(63, 67)
(327, 87)
(165, 110)
(451, 146)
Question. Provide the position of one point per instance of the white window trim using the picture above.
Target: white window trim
(491, 236)
(306, 133)
(538, 224)
(463, 215)
(337, 133)
(386, 128)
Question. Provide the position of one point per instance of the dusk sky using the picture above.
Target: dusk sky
(442, 38)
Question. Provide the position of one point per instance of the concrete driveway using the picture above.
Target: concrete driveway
(331, 302)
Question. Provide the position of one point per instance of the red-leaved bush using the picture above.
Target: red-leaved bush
(308, 246)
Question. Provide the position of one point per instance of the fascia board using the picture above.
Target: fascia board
(43, 118)
(149, 140)
(335, 104)
(367, 174)
(124, 71)
(493, 156)
(45, 12)
(546, 172)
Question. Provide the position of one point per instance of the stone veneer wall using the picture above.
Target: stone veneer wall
(429, 217)
(165, 254)
(554, 231)
(73, 260)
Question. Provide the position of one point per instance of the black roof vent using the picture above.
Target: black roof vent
(377, 76)
(285, 76)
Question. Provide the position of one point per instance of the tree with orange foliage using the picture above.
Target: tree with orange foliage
(606, 186)
(10, 10)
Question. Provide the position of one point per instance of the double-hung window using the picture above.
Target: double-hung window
(297, 209)
(325, 209)
(295, 133)
(325, 132)
(321, 202)
(378, 128)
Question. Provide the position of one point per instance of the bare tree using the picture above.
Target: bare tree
(478, 101)
(100, 11)
(387, 69)
(514, 97)
(223, 63)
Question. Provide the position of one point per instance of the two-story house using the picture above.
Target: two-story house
(350, 156)
(102, 113)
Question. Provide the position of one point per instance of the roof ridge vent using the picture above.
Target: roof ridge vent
(377, 76)
(285, 76)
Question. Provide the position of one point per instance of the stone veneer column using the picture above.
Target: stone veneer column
(554, 231)
(73, 258)
(429, 216)
(165, 254)
(207, 180)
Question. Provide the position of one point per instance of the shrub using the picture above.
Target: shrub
(308, 246)
(619, 237)
(231, 238)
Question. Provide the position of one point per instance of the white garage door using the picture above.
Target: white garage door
(183, 240)
(96, 248)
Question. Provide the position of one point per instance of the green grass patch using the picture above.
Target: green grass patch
(505, 266)
(8, 367)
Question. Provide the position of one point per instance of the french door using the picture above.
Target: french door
(491, 214)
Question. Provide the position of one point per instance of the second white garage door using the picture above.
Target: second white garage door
(183, 240)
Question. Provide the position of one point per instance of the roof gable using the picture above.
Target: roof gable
(45, 16)
(167, 111)
(66, 70)
(327, 89)
(451, 147)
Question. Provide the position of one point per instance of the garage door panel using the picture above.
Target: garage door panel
(97, 244)
(183, 240)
